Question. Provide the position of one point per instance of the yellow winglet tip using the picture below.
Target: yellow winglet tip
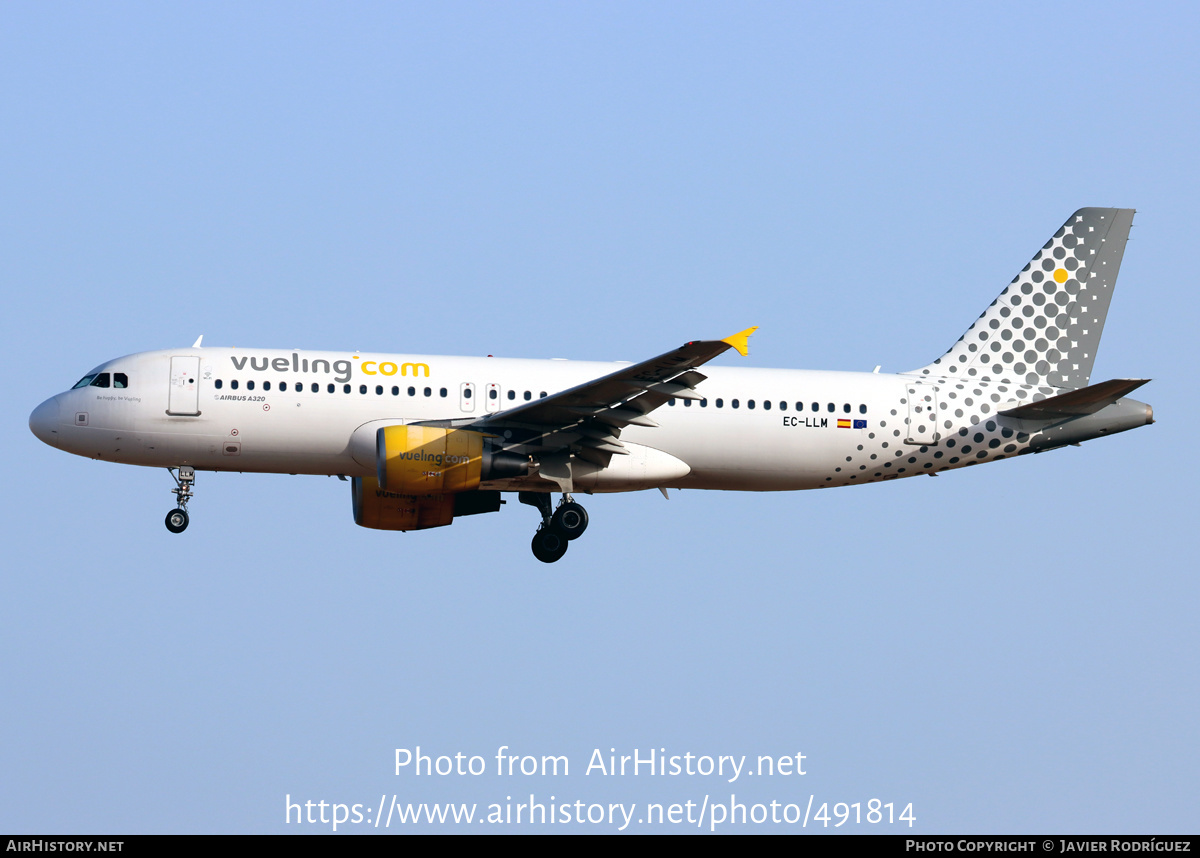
(741, 341)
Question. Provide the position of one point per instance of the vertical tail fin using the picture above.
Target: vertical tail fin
(1045, 327)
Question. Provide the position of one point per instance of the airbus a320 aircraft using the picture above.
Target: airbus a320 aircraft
(424, 439)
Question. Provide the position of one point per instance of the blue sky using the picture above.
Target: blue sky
(1010, 649)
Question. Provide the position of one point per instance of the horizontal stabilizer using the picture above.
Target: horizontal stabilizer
(1076, 403)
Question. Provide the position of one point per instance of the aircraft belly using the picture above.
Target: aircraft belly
(225, 438)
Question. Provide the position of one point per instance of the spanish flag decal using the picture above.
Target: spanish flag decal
(844, 424)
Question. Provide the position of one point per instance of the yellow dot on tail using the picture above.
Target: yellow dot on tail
(1061, 275)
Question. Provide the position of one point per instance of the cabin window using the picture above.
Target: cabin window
(379, 390)
(442, 393)
(671, 402)
(267, 386)
(687, 403)
(345, 388)
(846, 407)
(733, 403)
(466, 393)
(720, 403)
(395, 390)
(783, 406)
(316, 388)
(704, 403)
(542, 395)
(218, 384)
(862, 409)
(331, 388)
(750, 404)
(528, 396)
(299, 386)
(512, 394)
(429, 391)
(250, 384)
(362, 388)
(816, 406)
(233, 385)
(766, 405)
(493, 394)
(412, 391)
(832, 408)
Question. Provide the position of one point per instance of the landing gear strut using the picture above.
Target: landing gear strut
(557, 529)
(177, 519)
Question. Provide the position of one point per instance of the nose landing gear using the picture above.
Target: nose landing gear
(177, 519)
(557, 530)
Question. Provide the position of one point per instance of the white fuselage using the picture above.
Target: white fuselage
(304, 412)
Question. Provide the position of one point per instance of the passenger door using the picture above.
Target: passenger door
(184, 396)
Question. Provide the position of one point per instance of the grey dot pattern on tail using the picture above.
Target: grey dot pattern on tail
(1044, 327)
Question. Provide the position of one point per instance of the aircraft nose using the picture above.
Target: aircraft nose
(43, 422)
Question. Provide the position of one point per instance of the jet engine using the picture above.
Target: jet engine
(430, 459)
(427, 475)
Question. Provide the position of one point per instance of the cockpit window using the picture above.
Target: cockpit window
(103, 379)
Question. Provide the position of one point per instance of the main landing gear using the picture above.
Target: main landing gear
(177, 519)
(557, 529)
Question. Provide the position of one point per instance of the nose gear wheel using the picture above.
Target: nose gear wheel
(177, 521)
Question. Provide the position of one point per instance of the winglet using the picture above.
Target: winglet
(196, 344)
(741, 341)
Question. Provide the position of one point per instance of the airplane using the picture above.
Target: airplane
(424, 440)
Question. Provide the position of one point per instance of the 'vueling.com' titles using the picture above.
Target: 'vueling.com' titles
(343, 368)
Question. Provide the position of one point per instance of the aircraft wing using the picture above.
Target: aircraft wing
(587, 419)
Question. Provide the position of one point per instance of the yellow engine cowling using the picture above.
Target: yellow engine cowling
(426, 476)
(423, 460)
(383, 510)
